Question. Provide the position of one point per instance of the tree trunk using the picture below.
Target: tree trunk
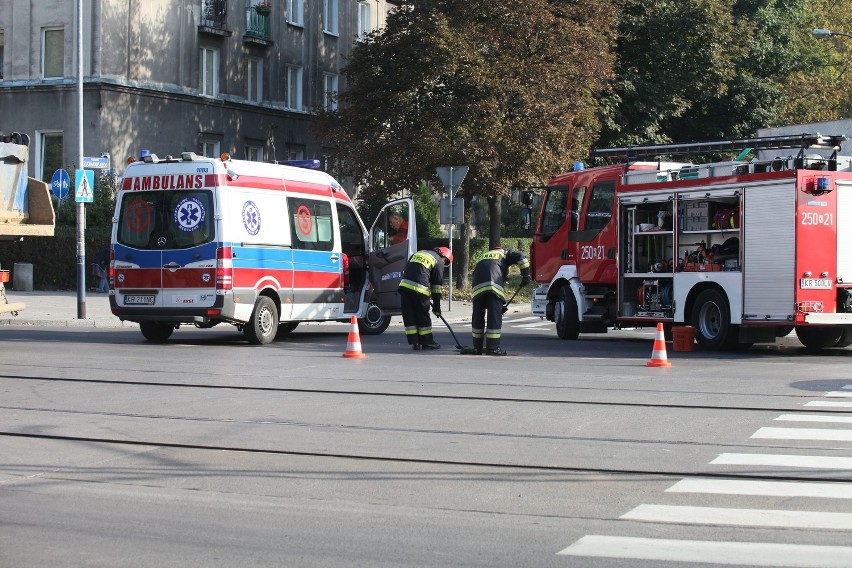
(495, 217)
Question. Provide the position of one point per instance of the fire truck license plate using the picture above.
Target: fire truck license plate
(139, 300)
(815, 284)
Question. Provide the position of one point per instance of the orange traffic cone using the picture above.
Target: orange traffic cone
(353, 343)
(658, 356)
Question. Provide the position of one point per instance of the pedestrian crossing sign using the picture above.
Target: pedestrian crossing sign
(84, 186)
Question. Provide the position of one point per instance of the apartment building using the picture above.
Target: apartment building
(209, 76)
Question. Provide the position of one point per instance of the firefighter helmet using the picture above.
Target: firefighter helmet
(446, 253)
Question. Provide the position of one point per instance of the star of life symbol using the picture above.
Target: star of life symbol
(189, 214)
(251, 217)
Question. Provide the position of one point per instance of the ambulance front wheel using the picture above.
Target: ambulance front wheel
(156, 332)
(374, 322)
(263, 325)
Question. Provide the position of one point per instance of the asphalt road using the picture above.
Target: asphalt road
(209, 452)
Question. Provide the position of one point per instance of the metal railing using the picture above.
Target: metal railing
(214, 14)
(257, 25)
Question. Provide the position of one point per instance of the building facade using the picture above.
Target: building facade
(210, 76)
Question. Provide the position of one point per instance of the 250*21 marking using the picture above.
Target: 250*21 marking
(826, 219)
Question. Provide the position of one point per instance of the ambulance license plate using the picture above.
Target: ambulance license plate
(147, 300)
(815, 284)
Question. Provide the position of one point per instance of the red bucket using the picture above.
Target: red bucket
(683, 338)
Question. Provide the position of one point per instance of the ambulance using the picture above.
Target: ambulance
(204, 241)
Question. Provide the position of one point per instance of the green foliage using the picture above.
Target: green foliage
(427, 212)
(509, 88)
(98, 213)
(54, 259)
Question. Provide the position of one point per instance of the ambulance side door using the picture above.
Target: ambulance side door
(392, 241)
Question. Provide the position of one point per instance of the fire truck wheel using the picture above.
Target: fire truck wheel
(819, 337)
(711, 317)
(285, 329)
(565, 314)
(263, 325)
(845, 338)
(374, 322)
(156, 332)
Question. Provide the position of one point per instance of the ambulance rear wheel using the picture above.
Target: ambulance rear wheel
(263, 325)
(711, 317)
(819, 337)
(374, 322)
(156, 332)
(565, 314)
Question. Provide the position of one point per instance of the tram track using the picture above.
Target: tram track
(461, 397)
(660, 472)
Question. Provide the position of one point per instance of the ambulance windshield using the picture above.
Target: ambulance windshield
(155, 220)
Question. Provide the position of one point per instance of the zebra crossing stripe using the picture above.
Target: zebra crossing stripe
(730, 553)
(781, 460)
(829, 404)
(763, 488)
(803, 434)
(833, 418)
(839, 394)
(740, 517)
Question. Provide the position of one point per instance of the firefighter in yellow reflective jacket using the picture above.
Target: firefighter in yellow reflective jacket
(419, 290)
(489, 277)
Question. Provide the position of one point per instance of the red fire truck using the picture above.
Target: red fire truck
(744, 251)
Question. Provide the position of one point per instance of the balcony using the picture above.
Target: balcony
(214, 18)
(257, 27)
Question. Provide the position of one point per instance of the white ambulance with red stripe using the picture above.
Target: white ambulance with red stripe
(203, 241)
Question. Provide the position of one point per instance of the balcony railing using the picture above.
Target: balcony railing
(214, 14)
(257, 25)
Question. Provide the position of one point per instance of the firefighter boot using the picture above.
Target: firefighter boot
(493, 348)
(428, 342)
(477, 345)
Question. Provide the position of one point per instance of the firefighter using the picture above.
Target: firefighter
(419, 290)
(489, 277)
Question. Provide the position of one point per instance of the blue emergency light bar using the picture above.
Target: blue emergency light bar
(309, 164)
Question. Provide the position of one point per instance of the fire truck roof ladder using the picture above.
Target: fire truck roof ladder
(801, 141)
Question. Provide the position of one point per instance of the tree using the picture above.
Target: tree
(705, 69)
(509, 88)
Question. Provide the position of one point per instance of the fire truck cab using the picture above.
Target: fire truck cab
(743, 251)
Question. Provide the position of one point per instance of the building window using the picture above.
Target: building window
(49, 152)
(255, 80)
(329, 17)
(1, 56)
(209, 72)
(329, 92)
(254, 153)
(210, 148)
(296, 12)
(295, 152)
(294, 88)
(53, 53)
(365, 25)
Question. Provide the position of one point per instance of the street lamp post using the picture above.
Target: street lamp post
(818, 32)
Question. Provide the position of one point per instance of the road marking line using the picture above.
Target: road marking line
(839, 394)
(829, 403)
(803, 434)
(534, 325)
(834, 418)
(739, 517)
(763, 488)
(847, 387)
(532, 318)
(814, 462)
(731, 553)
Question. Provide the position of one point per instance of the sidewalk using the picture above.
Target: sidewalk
(60, 309)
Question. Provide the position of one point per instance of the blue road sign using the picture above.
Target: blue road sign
(60, 183)
(84, 185)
